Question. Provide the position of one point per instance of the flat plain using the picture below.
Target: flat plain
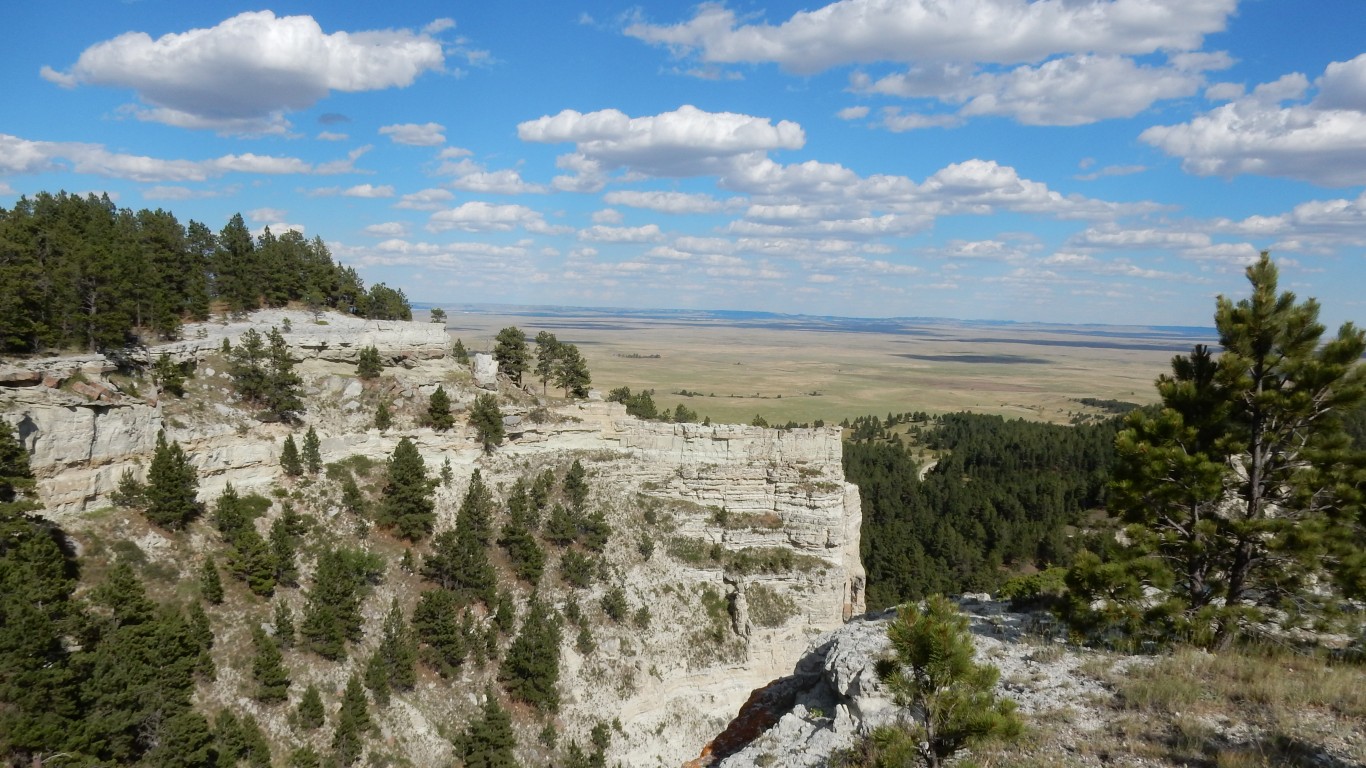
(798, 368)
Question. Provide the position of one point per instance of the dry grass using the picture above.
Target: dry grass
(786, 374)
(1247, 708)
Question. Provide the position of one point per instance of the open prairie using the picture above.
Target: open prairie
(797, 368)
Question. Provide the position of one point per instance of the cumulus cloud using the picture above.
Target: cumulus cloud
(1071, 90)
(19, 155)
(360, 190)
(685, 142)
(671, 202)
(999, 31)
(244, 73)
(1041, 62)
(479, 216)
(415, 135)
(1322, 140)
(387, 229)
(425, 200)
(473, 177)
(1111, 170)
(604, 234)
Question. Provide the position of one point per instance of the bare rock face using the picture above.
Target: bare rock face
(334, 337)
(78, 445)
(485, 371)
(834, 696)
(735, 547)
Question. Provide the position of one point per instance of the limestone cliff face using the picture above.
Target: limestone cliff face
(734, 546)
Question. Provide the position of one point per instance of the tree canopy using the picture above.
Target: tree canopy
(82, 272)
(1242, 489)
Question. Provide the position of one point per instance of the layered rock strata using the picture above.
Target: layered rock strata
(734, 546)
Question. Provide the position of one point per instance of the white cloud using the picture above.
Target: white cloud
(670, 202)
(19, 155)
(896, 122)
(183, 193)
(607, 216)
(685, 142)
(343, 166)
(1000, 31)
(479, 216)
(332, 136)
(585, 174)
(605, 234)
(1111, 170)
(258, 215)
(852, 113)
(241, 75)
(360, 190)
(425, 200)
(415, 135)
(387, 229)
(1322, 141)
(369, 190)
(1077, 90)
(473, 177)
(1314, 226)
(1071, 90)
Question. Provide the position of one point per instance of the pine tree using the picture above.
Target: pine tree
(933, 674)
(368, 365)
(438, 626)
(210, 585)
(383, 419)
(312, 453)
(268, 669)
(531, 670)
(489, 741)
(16, 477)
(511, 353)
(285, 533)
(459, 560)
(251, 561)
(284, 624)
(571, 372)
(459, 353)
(332, 614)
(548, 351)
(439, 414)
(447, 474)
(394, 663)
(172, 484)
(311, 713)
(289, 458)
(353, 723)
(201, 631)
(305, 757)
(487, 420)
(406, 501)
(576, 486)
(282, 400)
(1234, 490)
(526, 556)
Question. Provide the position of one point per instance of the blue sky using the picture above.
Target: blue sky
(1060, 160)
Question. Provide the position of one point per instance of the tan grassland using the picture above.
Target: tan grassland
(802, 369)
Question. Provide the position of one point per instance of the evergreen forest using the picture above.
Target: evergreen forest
(1003, 498)
(80, 273)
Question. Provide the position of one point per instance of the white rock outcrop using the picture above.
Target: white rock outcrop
(735, 546)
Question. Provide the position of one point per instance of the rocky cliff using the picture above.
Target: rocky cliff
(734, 546)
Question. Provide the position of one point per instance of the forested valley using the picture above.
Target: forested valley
(79, 272)
(1004, 498)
